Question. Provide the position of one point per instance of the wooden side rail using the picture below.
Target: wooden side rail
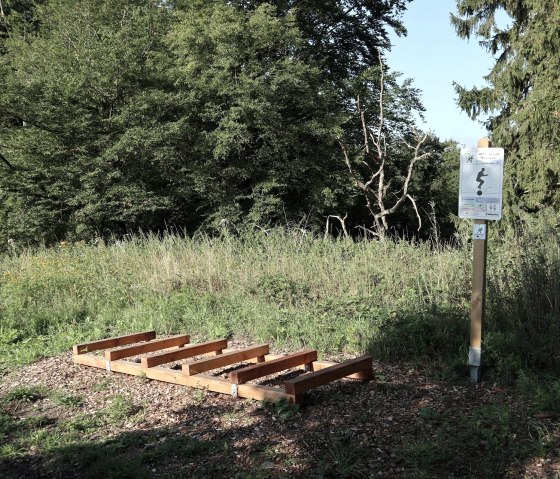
(363, 375)
(305, 382)
(129, 351)
(113, 342)
(183, 353)
(270, 367)
(225, 359)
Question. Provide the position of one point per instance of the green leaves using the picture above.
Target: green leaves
(521, 93)
(119, 115)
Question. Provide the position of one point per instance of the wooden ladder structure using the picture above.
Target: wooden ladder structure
(153, 353)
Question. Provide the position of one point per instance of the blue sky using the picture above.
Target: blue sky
(434, 57)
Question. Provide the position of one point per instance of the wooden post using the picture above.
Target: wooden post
(478, 297)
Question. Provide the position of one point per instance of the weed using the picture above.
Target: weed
(487, 430)
(198, 394)
(103, 385)
(543, 392)
(10, 451)
(122, 408)
(282, 409)
(26, 394)
(92, 461)
(173, 447)
(35, 422)
(66, 399)
(83, 423)
(346, 458)
(428, 414)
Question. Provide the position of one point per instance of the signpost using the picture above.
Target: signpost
(480, 183)
(480, 198)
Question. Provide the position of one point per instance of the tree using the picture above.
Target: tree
(264, 118)
(341, 37)
(117, 115)
(79, 113)
(382, 165)
(521, 95)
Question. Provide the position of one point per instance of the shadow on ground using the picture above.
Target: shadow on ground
(403, 425)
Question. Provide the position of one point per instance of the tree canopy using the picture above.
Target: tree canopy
(119, 115)
(521, 94)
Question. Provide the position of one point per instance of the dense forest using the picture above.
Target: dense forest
(139, 115)
(127, 115)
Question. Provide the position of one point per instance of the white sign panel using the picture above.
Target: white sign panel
(480, 183)
(479, 232)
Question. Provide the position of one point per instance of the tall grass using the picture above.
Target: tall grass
(395, 299)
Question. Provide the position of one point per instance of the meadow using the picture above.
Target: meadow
(406, 303)
(397, 300)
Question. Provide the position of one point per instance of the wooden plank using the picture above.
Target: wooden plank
(225, 359)
(270, 367)
(129, 351)
(309, 381)
(219, 385)
(87, 359)
(183, 353)
(200, 381)
(315, 366)
(113, 342)
(363, 375)
(263, 393)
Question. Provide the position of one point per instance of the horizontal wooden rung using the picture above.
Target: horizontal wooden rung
(211, 383)
(270, 367)
(362, 375)
(305, 382)
(225, 359)
(147, 347)
(113, 342)
(183, 353)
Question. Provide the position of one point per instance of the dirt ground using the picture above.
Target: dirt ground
(400, 425)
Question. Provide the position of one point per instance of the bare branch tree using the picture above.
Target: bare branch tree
(342, 224)
(380, 201)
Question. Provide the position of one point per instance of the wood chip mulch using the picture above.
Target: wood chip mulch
(345, 429)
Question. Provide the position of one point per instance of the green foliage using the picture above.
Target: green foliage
(260, 107)
(63, 398)
(292, 290)
(521, 93)
(26, 394)
(283, 409)
(117, 116)
(282, 290)
(173, 447)
(543, 393)
(122, 408)
(346, 458)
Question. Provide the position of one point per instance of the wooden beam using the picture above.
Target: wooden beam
(305, 382)
(135, 350)
(225, 359)
(183, 353)
(362, 375)
(113, 342)
(315, 366)
(270, 367)
(200, 381)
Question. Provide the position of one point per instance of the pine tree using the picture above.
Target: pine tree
(522, 92)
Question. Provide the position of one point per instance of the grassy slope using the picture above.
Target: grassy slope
(396, 300)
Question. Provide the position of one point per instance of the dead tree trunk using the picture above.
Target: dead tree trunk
(375, 186)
